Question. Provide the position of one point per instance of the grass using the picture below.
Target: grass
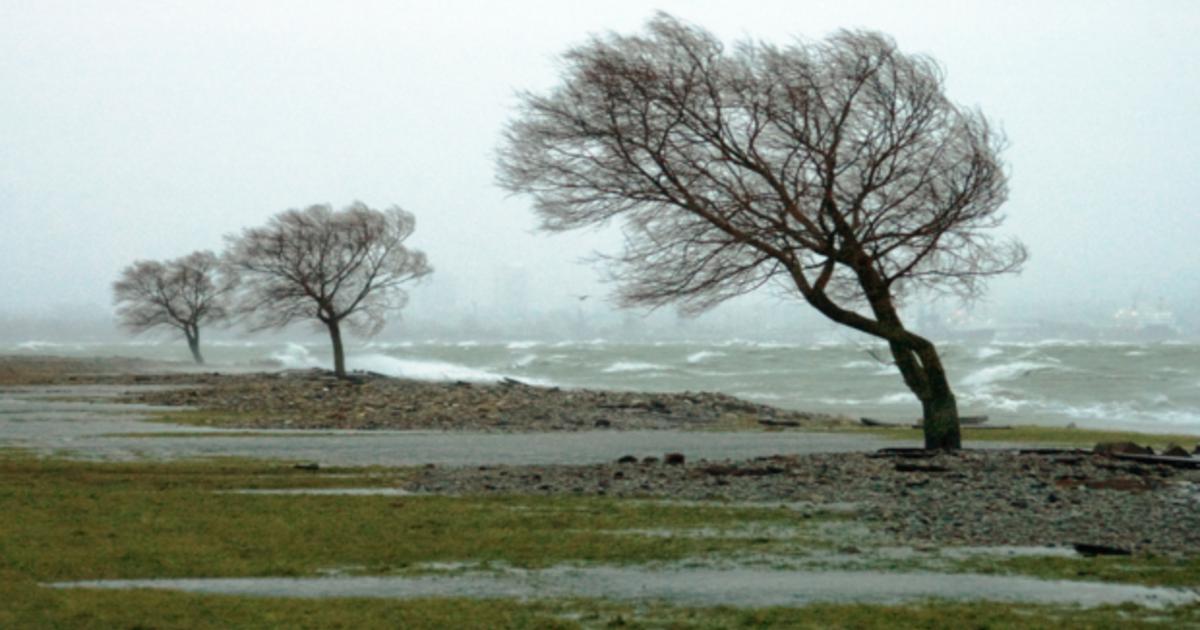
(1059, 436)
(234, 434)
(1148, 570)
(30, 606)
(214, 418)
(66, 520)
(170, 520)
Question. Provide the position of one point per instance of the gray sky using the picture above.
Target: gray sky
(147, 130)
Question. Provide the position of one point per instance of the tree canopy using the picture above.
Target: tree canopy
(330, 266)
(182, 293)
(838, 168)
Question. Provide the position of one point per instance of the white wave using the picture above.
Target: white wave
(427, 369)
(697, 357)
(524, 360)
(633, 366)
(1003, 372)
(35, 344)
(294, 356)
(897, 398)
(987, 352)
(470, 343)
(860, 365)
(1136, 353)
(849, 402)
(522, 345)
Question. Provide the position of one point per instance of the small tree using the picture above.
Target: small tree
(338, 267)
(183, 293)
(838, 168)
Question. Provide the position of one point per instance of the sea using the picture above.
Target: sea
(1153, 387)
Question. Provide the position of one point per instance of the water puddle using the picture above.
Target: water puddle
(745, 587)
(335, 492)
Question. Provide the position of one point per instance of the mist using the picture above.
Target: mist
(148, 130)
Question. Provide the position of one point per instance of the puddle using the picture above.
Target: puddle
(337, 492)
(745, 587)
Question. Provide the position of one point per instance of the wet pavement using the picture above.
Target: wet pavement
(688, 586)
(50, 420)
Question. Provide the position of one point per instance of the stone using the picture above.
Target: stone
(627, 459)
(1124, 448)
(1175, 450)
(674, 459)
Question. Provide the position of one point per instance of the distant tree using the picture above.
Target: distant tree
(337, 267)
(837, 167)
(183, 293)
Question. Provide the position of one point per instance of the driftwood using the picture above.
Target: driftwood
(1168, 460)
(1090, 550)
(970, 421)
(778, 423)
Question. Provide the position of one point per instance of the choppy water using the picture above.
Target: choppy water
(1153, 387)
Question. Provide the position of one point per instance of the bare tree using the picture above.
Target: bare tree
(337, 267)
(182, 293)
(838, 168)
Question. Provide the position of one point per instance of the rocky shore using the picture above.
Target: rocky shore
(972, 498)
(312, 399)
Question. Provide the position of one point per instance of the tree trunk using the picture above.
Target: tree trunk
(193, 339)
(940, 413)
(339, 356)
(919, 363)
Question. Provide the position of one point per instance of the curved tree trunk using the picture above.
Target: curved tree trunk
(339, 356)
(193, 339)
(922, 370)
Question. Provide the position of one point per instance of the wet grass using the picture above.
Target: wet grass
(235, 433)
(1049, 436)
(218, 418)
(31, 606)
(1147, 570)
(68, 520)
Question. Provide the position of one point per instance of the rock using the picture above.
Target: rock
(1128, 484)
(1175, 450)
(650, 460)
(627, 459)
(603, 423)
(674, 459)
(1124, 448)
(307, 466)
(931, 468)
(1090, 550)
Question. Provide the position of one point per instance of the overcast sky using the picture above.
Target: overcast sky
(150, 129)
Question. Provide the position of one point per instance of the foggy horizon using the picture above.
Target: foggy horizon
(146, 132)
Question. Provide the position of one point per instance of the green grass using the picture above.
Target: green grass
(31, 607)
(170, 520)
(65, 520)
(1148, 570)
(1058, 436)
(214, 418)
(234, 434)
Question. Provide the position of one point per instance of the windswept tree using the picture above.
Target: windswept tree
(339, 268)
(838, 168)
(183, 293)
